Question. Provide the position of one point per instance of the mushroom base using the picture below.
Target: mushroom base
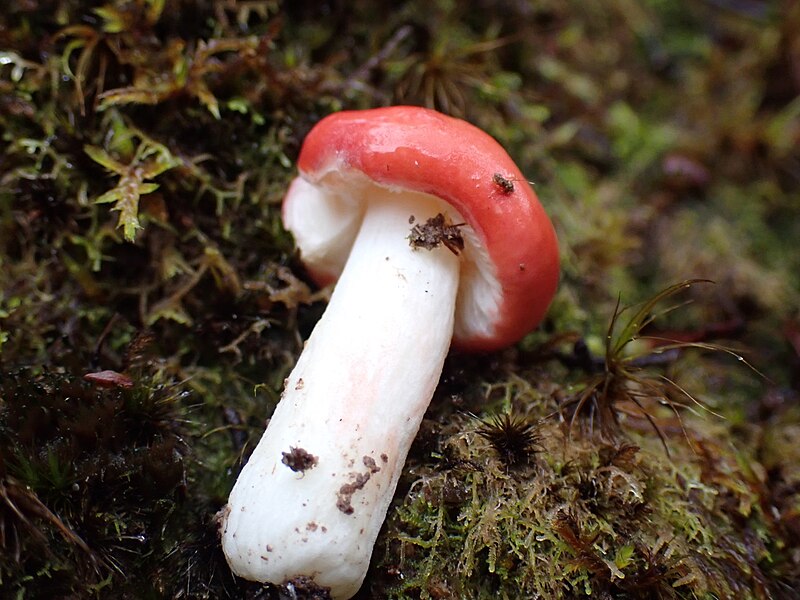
(313, 496)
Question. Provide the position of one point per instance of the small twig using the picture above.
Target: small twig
(376, 59)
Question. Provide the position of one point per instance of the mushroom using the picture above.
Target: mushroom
(434, 235)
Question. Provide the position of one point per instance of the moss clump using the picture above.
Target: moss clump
(585, 518)
(88, 477)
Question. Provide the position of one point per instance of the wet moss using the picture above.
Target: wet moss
(89, 477)
(146, 148)
(618, 519)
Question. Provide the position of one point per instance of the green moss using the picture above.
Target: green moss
(87, 478)
(614, 520)
(659, 136)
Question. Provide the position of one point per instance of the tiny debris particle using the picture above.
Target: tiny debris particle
(506, 185)
(221, 518)
(384, 458)
(298, 459)
(437, 230)
(344, 497)
(311, 526)
(411, 219)
(305, 587)
(299, 385)
(369, 462)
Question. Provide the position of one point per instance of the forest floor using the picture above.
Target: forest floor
(146, 148)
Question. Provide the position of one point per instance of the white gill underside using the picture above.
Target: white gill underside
(354, 401)
(326, 222)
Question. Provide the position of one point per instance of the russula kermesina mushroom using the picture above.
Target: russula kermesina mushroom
(434, 235)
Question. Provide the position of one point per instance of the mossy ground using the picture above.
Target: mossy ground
(146, 147)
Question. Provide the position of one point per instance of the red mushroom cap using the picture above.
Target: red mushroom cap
(421, 150)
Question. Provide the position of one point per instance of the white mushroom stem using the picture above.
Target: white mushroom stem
(354, 402)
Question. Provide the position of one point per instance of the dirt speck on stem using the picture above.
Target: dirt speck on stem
(298, 459)
(344, 496)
